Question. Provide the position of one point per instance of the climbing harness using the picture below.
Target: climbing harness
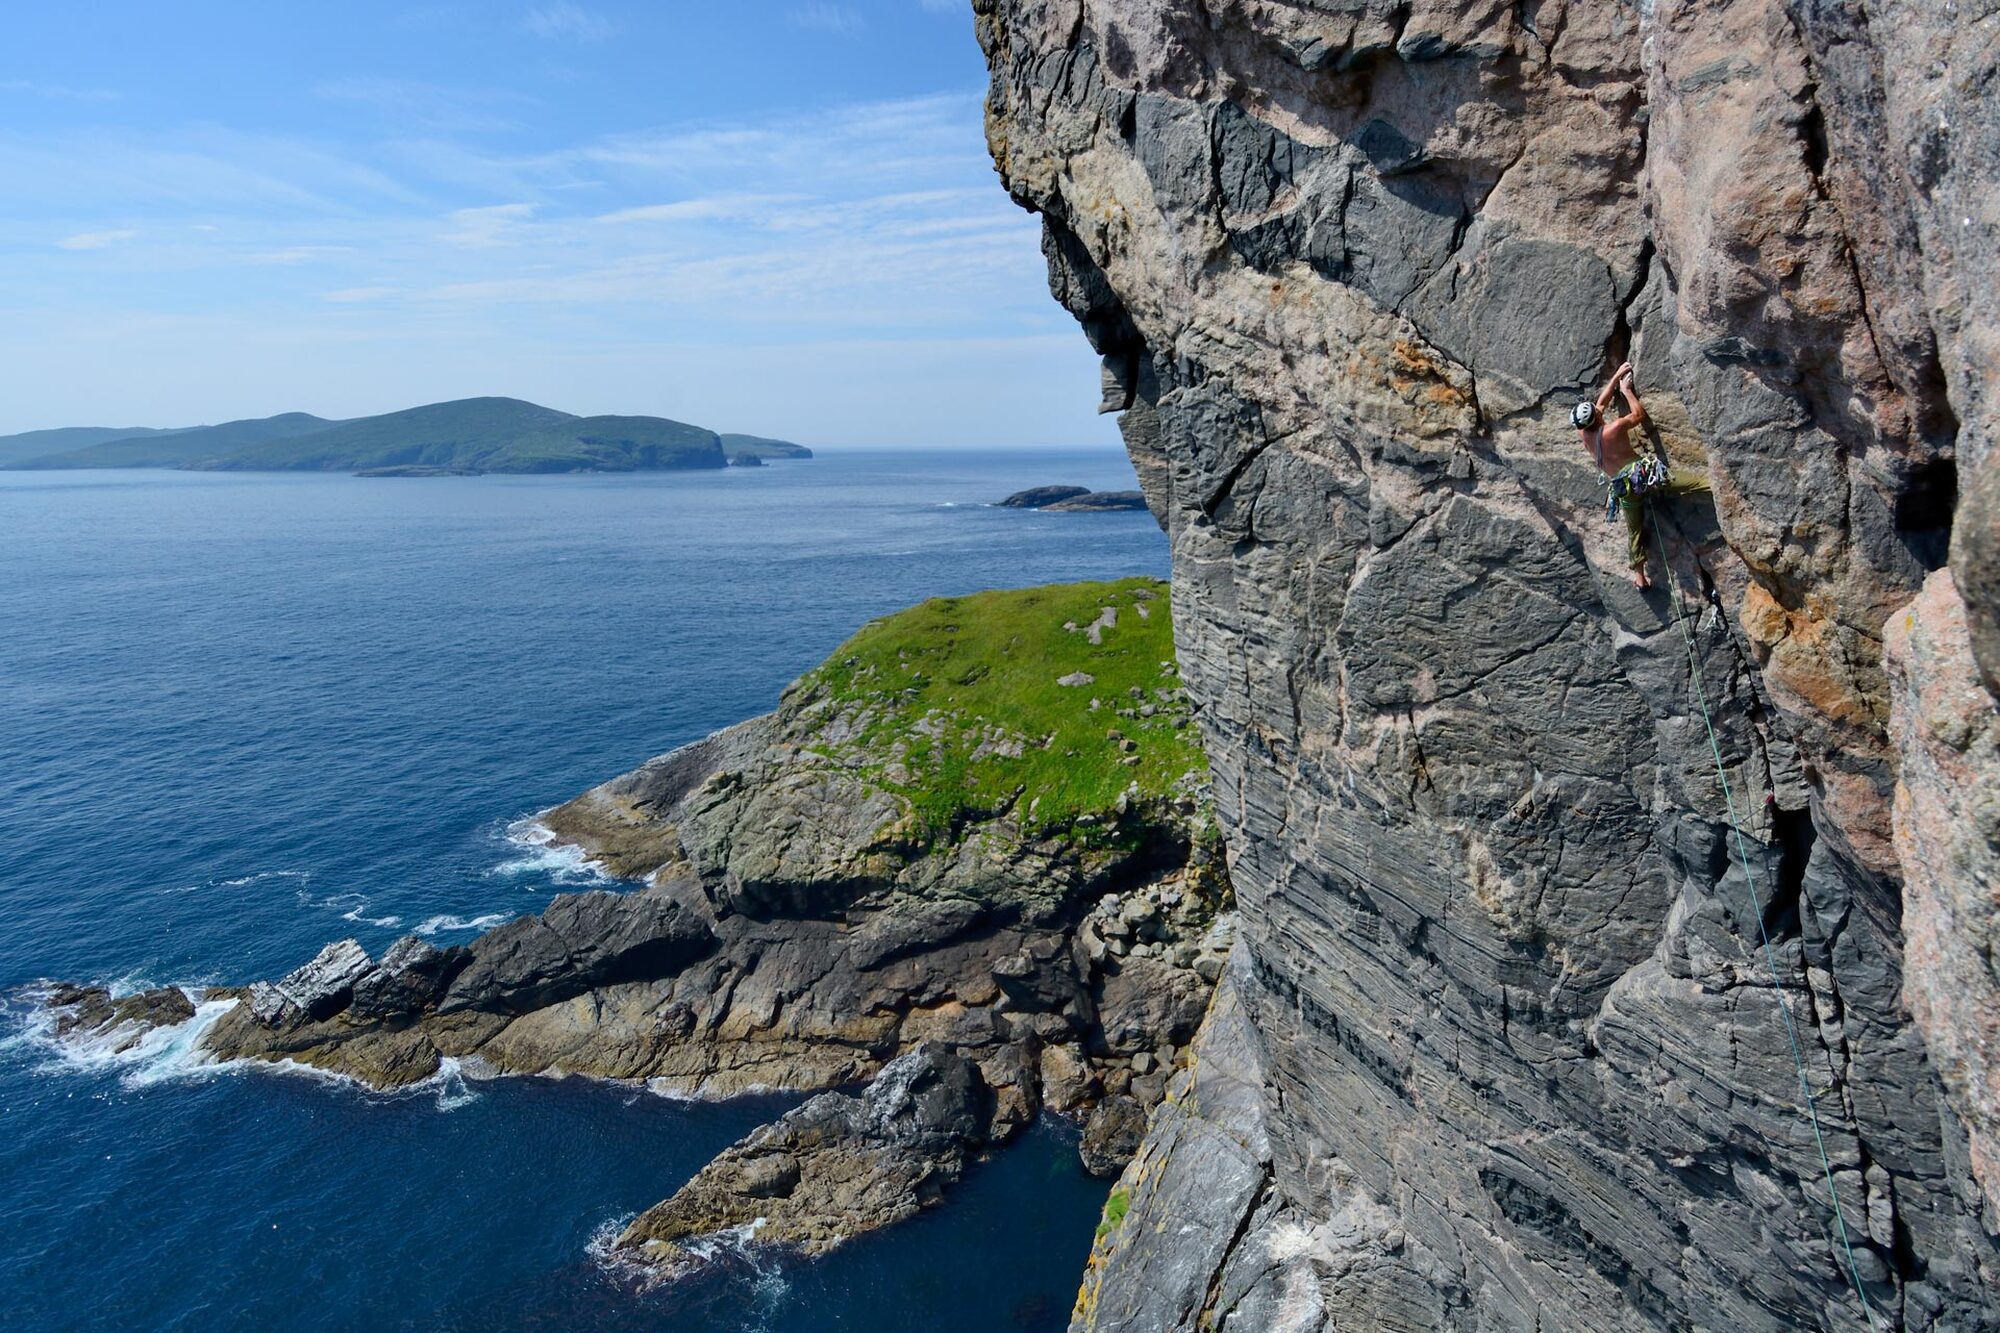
(1634, 480)
(1750, 888)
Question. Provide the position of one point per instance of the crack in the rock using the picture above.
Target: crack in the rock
(1212, 1294)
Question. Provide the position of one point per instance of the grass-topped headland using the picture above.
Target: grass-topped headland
(464, 436)
(1054, 701)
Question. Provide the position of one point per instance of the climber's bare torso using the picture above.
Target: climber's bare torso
(1609, 442)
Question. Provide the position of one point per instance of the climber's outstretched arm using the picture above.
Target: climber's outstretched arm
(1611, 387)
(1637, 416)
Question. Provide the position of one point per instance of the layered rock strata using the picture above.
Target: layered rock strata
(1521, 1061)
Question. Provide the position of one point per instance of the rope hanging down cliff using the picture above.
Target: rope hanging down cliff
(1770, 953)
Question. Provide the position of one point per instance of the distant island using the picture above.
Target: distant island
(460, 438)
(1073, 500)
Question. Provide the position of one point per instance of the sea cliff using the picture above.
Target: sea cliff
(1503, 1049)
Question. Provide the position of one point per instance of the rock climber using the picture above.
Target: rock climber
(1632, 476)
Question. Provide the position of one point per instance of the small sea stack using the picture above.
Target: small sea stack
(1073, 500)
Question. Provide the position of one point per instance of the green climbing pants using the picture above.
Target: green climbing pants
(1680, 481)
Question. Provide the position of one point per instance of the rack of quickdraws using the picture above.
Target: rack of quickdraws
(1634, 481)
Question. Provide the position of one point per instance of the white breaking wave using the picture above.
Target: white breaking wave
(172, 1053)
(452, 1089)
(161, 1055)
(358, 912)
(602, 1247)
(733, 1248)
(431, 925)
(263, 875)
(351, 906)
(663, 1088)
(239, 882)
(542, 854)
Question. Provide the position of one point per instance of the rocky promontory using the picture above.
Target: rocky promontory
(838, 1165)
(1037, 497)
(964, 873)
(1074, 500)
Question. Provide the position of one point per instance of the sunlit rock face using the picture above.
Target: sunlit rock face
(1521, 1062)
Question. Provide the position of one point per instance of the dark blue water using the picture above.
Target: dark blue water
(243, 715)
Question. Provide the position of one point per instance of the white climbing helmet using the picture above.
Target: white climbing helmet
(1584, 415)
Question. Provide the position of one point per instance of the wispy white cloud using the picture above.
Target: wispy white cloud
(706, 210)
(96, 240)
(206, 168)
(59, 92)
(566, 21)
(300, 254)
(824, 16)
(482, 228)
(358, 295)
(411, 105)
(812, 227)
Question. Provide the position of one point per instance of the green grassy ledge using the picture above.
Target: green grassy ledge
(1115, 1209)
(956, 704)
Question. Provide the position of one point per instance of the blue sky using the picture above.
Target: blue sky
(765, 215)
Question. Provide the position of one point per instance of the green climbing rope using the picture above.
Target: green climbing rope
(1750, 888)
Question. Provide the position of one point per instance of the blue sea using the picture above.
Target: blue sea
(244, 714)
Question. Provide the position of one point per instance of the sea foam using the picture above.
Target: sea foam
(432, 925)
(160, 1055)
(542, 854)
(734, 1251)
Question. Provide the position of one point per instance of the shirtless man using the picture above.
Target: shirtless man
(1609, 443)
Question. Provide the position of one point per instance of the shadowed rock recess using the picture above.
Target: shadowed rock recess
(1500, 1050)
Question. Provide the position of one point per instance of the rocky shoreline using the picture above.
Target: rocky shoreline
(799, 925)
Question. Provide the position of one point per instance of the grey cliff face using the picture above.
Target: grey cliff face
(1519, 1062)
